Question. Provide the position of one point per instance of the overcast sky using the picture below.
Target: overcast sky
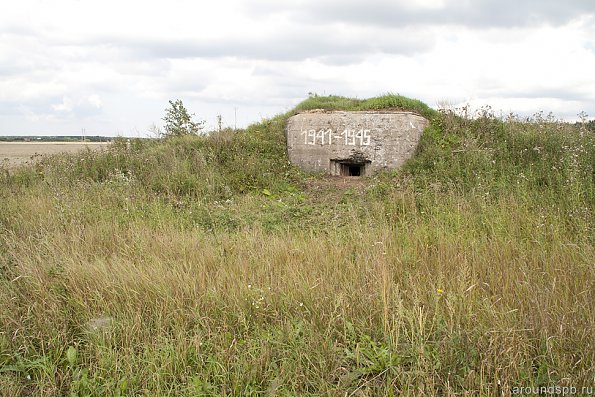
(110, 66)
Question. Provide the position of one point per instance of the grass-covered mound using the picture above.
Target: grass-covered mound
(210, 266)
(388, 101)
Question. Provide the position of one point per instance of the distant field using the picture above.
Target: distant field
(16, 153)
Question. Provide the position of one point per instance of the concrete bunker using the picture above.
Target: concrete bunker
(352, 143)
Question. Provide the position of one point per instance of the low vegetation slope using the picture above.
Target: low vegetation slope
(209, 266)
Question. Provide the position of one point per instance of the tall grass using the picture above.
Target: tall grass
(209, 266)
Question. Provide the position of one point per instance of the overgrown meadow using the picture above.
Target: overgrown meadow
(207, 265)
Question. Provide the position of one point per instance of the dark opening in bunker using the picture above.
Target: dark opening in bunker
(348, 168)
(352, 169)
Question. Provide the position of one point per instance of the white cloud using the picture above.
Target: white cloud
(112, 66)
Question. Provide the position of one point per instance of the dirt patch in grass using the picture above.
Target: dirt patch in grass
(331, 189)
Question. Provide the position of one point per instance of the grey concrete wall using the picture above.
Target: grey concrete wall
(322, 140)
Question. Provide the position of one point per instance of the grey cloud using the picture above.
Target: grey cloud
(558, 93)
(288, 79)
(86, 110)
(11, 69)
(49, 107)
(343, 59)
(477, 13)
(17, 68)
(10, 31)
(184, 84)
(8, 108)
(276, 92)
(563, 93)
(37, 108)
(286, 47)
